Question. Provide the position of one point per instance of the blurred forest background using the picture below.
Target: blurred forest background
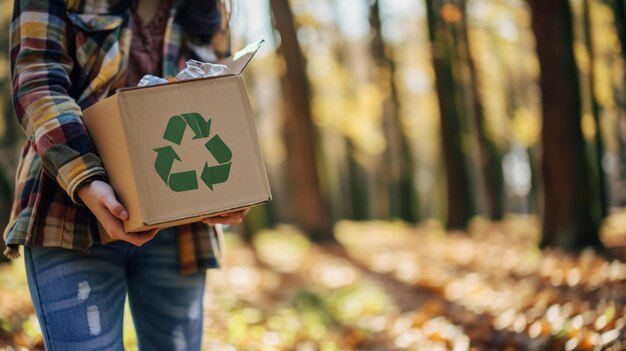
(447, 175)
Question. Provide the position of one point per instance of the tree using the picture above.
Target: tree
(309, 206)
(398, 170)
(595, 150)
(619, 12)
(9, 135)
(488, 155)
(8, 122)
(442, 18)
(571, 216)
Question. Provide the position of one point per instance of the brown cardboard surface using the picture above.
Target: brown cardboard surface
(104, 122)
(128, 129)
(231, 118)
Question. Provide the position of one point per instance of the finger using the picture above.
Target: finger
(146, 236)
(235, 217)
(112, 224)
(237, 214)
(244, 212)
(116, 208)
(223, 220)
(228, 216)
(143, 237)
(139, 238)
(209, 220)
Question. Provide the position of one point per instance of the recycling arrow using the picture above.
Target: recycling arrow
(176, 127)
(223, 155)
(166, 155)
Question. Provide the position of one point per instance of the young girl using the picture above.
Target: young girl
(65, 56)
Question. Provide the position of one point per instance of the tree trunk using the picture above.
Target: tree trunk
(597, 149)
(308, 203)
(619, 12)
(443, 46)
(569, 221)
(10, 135)
(10, 132)
(360, 196)
(399, 170)
(489, 157)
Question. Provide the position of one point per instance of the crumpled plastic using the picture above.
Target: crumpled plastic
(195, 69)
(149, 79)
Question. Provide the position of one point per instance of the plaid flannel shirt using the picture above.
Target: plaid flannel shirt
(65, 56)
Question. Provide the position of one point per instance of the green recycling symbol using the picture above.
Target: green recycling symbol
(188, 180)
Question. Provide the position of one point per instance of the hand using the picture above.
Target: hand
(99, 197)
(234, 217)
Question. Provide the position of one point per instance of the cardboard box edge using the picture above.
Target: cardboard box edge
(105, 238)
(254, 134)
(118, 160)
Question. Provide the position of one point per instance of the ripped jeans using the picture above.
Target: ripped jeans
(79, 298)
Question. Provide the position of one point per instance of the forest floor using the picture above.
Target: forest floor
(390, 286)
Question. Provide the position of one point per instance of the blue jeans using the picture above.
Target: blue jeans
(79, 298)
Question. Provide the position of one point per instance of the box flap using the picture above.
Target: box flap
(238, 62)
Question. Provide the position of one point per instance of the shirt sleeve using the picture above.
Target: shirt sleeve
(40, 72)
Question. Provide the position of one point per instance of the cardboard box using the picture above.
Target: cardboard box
(179, 152)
